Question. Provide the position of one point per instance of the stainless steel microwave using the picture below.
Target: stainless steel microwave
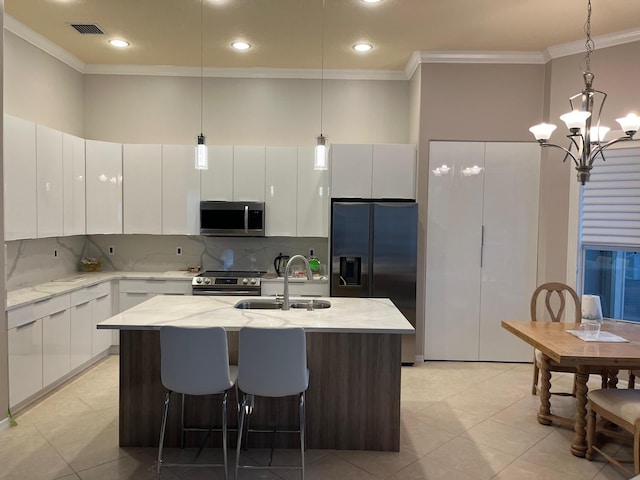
(232, 219)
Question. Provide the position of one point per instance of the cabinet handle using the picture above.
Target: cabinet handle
(174, 294)
(481, 246)
(38, 302)
(83, 303)
(102, 296)
(26, 324)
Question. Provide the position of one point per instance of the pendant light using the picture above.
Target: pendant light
(202, 161)
(321, 161)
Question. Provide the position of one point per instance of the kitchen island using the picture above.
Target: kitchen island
(353, 355)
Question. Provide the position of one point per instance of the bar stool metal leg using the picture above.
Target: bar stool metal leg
(243, 406)
(162, 429)
(302, 424)
(224, 435)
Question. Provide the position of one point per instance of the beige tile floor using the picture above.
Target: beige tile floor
(460, 421)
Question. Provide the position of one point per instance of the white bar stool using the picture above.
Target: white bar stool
(272, 362)
(195, 361)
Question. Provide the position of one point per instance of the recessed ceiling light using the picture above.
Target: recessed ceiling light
(118, 43)
(241, 45)
(371, 1)
(362, 47)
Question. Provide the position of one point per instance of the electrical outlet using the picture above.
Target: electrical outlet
(55, 253)
(111, 250)
(178, 250)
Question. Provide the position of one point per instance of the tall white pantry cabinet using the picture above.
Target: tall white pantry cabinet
(482, 242)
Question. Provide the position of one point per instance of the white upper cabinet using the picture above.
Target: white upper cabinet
(20, 196)
(216, 183)
(249, 174)
(281, 191)
(49, 182)
(394, 171)
(373, 171)
(313, 196)
(104, 187)
(142, 188)
(351, 171)
(181, 190)
(73, 185)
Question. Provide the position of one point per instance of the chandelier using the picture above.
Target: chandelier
(586, 142)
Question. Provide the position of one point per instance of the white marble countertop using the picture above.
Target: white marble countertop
(346, 315)
(42, 291)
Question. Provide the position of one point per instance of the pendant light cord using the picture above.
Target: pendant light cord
(322, 67)
(201, 65)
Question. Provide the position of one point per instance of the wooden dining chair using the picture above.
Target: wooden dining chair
(555, 296)
(555, 302)
(622, 408)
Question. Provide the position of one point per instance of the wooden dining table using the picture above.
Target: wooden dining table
(556, 344)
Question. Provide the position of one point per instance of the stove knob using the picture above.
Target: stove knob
(198, 280)
(253, 281)
(207, 281)
(245, 281)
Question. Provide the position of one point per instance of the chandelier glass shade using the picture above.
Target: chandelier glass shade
(586, 135)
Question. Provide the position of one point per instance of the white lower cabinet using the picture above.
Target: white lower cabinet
(100, 310)
(131, 299)
(81, 328)
(89, 306)
(25, 361)
(49, 339)
(56, 346)
(133, 292)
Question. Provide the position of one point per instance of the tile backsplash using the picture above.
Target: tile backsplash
(33, 261)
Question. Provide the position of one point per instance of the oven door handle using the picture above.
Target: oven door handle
(228, 293)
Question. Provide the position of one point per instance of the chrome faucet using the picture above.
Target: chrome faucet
(286, 304)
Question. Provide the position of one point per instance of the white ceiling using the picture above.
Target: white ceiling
(288, 33)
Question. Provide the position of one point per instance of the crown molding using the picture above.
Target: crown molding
(602, 41)
(482, 57)
(417, 57)
(277, 73)
(21, 30)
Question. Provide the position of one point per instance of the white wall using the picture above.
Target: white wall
(40, 88)
(278, 112)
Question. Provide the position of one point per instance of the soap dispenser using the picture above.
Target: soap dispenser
(314, 262)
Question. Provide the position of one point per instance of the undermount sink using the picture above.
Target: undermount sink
(258, 304)
(274, 304)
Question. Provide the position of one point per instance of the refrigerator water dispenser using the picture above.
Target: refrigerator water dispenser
(350, 270)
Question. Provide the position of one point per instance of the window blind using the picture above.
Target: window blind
(611, 200)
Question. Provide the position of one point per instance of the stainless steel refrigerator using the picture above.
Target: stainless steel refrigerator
(374, 254)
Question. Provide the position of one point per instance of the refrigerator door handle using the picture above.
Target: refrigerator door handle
(481, 246)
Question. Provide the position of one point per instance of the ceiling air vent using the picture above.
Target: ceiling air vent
(87, 28)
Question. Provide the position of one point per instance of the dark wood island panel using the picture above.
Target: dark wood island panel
(353, 400)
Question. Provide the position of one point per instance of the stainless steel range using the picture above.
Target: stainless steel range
(215, 282)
